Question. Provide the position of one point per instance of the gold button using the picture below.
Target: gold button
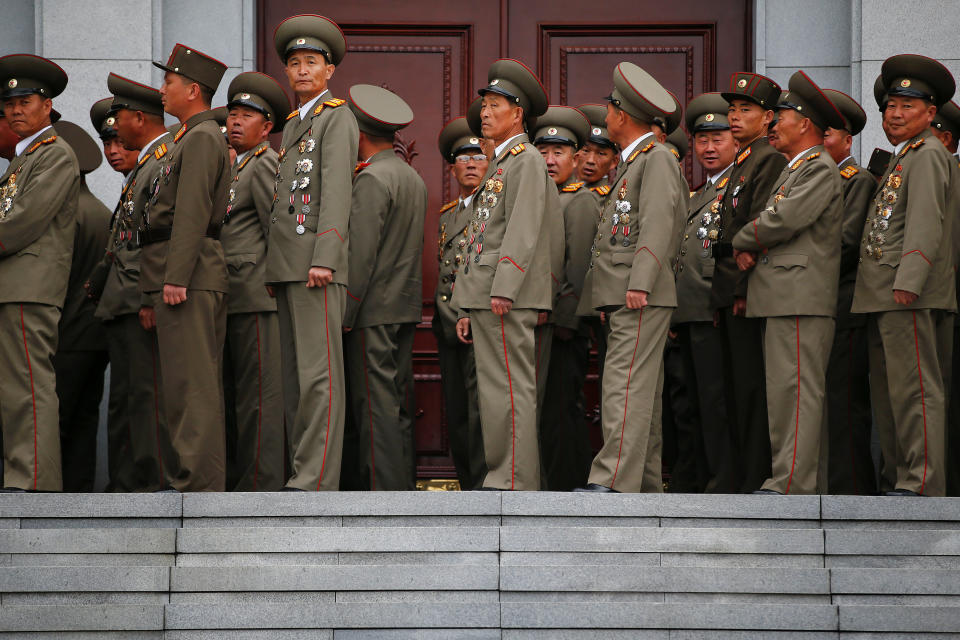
(686, 236)
(444, 298)
(446, 263)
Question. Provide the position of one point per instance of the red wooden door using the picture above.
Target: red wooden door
(435, 53)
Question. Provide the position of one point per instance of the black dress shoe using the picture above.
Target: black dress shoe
(12, 490)
(594, 488)
(293, 489)
(902, 493)
(766, 492)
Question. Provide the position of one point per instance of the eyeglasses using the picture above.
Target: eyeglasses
(466, 159)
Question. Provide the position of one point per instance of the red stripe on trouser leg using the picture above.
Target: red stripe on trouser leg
(326, 438)
(513, 418)
(923, 404)
(796, 428)
(626, 397)
(156, 411)
(33, 400)
(853, 454)
(366, 383)
(256, 460)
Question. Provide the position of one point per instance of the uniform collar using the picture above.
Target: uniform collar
(501, 147)
(850, 158)
(713, 179)
(466, 201)
(305, 109)
(799, 155)
(633, 145)
(26, 142)
(147, 147)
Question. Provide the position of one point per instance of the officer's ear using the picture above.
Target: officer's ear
(267, 127)
(767, 117)
(47, 106)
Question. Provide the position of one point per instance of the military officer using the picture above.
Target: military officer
(946, 125)
(104, 122)
(8, 139)
(752, 99)
(385, 281)
(906, 276)
(257, 103)
(38, 205)
(599, 154)
(184, 272)
(631, 280)
(705, 437)
(81, 357)
(462, 149)
(850, 468)
(565, 451)
(506, 281)
(307, 249)
(790, 251)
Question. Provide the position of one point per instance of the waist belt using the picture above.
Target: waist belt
(162, 234)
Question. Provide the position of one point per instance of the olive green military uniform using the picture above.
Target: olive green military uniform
(252, 351)
(384, 304)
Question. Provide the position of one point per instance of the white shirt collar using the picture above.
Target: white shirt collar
(147, 146)
(504, 145)
(897, 149)
(305, 109)
(466, 201)
(633, 145)
(26, 142)
(845, 159)
(241, 156)
(713, 179)
(797, 157)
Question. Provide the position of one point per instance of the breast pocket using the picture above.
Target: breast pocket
(789, 261)
(622, 258)
(890, 259)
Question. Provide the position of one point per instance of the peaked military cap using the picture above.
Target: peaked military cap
(220, 115)
(455, 138)
(380, 112)
(754, 87)
(854, 118)
(129, 94)
(89, 155)
(677, 143)
(310, 32)
(473, 118)
(22, 74)
(670, 123)
(562, 125)
(707, 112)
(514, 80)
(259, 92)
(194, 65)
(639, 94)
(597, 115)
(103, 118)
(880, 93)
(806, 98)
(948, 119)
(915, 76)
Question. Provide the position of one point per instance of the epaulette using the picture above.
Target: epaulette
(675, 152)
(723, 183)
(39, 143)
(517, 149)
(743, 156)
(602, 189)
(261, 150)
(180, 133)
(849, 172)
(573, 187)
(334, 102)
(449, 205)
(293, 113)
(813, 155)
(160, 151)
(639, 151)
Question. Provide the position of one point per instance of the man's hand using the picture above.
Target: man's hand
(86, 287)
(270, 291)
(739, 306)
(148, 319)
(542, 318)
(319, 277)
(347, 329)
(500, 306)
(636, 299)
(746, 260)
(463, 331)
(603, 317)
(904, 297)
(174, 295)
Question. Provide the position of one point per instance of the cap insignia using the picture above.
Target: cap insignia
(709, 117)
(494, 82)
(474, 141)
(742, 83)
(12, 82)
(552, 131)
(301, 41)
(110, 121)
(905, 83)
(244, 96)
(596, 131)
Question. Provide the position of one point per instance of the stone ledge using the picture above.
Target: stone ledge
(664, 505)
(895, 581)
(64, 541)
(347, 503)
(885, 508)
(67, 579)
(336, 539)
(90, 505)
(899, 618)
(891, 542)
(81, 618)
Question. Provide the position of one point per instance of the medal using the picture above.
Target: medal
(625, 218)
(622, 206)
(706, 218)
(616, 219)
(302, 146)
(305, 209)
(701, 233)
(306, 165)
(311, 145)
(623, 191)
(293, 185)
(300, 230)
(304, 182)
(305, 198)
(894, 182)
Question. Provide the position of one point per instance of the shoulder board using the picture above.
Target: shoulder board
(797, 164)
(180, 133)
(849, 172)
(261, 151)
(159, 152)
(334, 102)
(517, 149)
(676, 153)
(813, 155)
(602, 189)
(39, 143)
(723, 183)
(743, 156)
(572, 187)
(448, 206)
(639, 151)
(293, 113)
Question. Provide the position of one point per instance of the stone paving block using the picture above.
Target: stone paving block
(898, 599)
(9, 523)
(669, 616)
(90, 505)
(661, 540)
(99, 523)
(796, 561)
(891, 525)
(85, 598)
(82, 618)
(346, 503)
(688, 634)
(578, 634)
(909, 543)
(885, 508)
(83, 635)
(421, 521)
(254, 559)
(850, 635)
(345, 616)
(414, 557)
(254, 597)
(665, 579)
(792, 599)
(91, 560)
(738, 523)
(260, 634)
(579, 521)
(333, 578)
(580, 597)
(509, 558)
(418, 596)
(341, 539)
(895, 581)
(47, 579)
(545, 503)
(266, 521)
(416, 634)
(899, 618)
(893, 562)
(90, 541)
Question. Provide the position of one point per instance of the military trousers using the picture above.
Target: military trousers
(255, 440)
(629, 460)
(379, 365)
(458, 378)
(565, 452)
(952, 454)
(79, 389)
(543, 346)
(908, 406)
(850, 467)
(796, 350)
(314, 391)
(29, 410)
(505, 352)
(139, 451)
(190, 338)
